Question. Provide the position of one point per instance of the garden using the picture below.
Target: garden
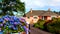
(52, 26)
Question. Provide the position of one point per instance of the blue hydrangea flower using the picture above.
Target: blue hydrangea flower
(11, 22)
(10, 26)
(1, 20)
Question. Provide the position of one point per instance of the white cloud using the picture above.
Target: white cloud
(41, 3)
(54, 3)
(34, 3)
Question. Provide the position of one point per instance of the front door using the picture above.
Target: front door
(44, 17)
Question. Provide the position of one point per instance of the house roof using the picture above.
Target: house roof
(40, 13)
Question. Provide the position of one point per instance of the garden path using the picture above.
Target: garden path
(37, 31)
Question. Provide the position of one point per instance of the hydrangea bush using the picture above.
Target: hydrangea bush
(12, 24)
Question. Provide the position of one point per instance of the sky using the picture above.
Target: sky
(54, 5)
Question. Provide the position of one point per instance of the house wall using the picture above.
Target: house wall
(36, 18)
(48, 17)
(53, 16)
(58, 16)
(29, 20)
(33, 19)
(40, 17)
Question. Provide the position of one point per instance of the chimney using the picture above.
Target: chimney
(31, 10)
(49, 9)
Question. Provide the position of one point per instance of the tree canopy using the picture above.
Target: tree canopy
(9, 6)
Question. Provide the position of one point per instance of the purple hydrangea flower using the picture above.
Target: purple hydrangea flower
(1, 24)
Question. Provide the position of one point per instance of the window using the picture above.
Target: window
(28, 17)
(35, 17)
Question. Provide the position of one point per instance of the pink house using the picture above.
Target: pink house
(34, 15)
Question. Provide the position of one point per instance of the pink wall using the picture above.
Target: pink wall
(32, 20)
(40, 17)
(48, 17)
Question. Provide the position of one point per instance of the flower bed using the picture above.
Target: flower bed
(12, 24)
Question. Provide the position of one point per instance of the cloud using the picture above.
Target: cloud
(33, 3)
(54, 3)
(41, 3)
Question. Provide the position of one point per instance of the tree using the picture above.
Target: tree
(10, 6)
(54, 11)
(59, 12)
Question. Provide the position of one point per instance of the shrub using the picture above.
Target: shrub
(36, 25)
(39, 24)
(54, 26)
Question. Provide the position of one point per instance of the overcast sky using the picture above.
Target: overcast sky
(42, 4)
